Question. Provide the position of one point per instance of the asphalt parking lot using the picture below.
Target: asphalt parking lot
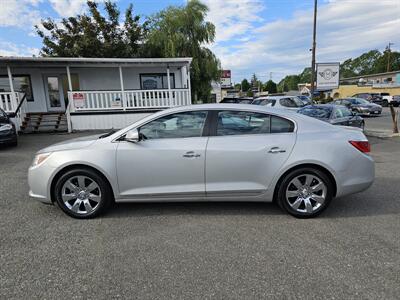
(381, 123)
(199, 250)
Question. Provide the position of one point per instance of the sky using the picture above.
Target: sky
(271, 38)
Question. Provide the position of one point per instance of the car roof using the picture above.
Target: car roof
(303, 122)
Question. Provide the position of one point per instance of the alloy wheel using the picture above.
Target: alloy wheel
(306, 193)
(81, 194)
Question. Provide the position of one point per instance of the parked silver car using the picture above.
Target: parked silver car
(284, 102)
(214, 152)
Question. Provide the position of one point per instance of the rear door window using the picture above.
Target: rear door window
(281, 125)
(242, 122)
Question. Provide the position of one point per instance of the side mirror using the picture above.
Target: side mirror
(11, 114)
(132, 136)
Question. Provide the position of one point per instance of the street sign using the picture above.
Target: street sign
(327, 76)
(226, 78)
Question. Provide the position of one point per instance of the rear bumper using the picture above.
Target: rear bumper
(358, 176)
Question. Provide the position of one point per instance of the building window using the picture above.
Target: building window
(22, 84)
(156, 81)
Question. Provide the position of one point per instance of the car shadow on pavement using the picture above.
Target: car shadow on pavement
(368, 203)
(123, 210)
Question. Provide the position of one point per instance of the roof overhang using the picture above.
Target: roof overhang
(92, 62)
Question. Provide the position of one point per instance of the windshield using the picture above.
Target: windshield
(360, 101)
(316, 112)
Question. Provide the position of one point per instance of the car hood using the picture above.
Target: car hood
(72, 144)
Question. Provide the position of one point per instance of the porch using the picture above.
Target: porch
(93, 88)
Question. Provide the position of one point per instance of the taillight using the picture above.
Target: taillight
(363, 146)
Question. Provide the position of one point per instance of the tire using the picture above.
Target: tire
(362, 125)
(385, 103)
(89, 193)
(302, 201)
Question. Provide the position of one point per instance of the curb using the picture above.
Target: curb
(381, 134)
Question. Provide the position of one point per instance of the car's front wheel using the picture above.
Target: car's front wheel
(305, 192)
(82, 193)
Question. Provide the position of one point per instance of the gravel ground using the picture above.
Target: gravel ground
(199, 250)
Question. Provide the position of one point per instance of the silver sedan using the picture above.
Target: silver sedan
(215, 152)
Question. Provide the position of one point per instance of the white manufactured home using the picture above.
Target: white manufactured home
(90, 93)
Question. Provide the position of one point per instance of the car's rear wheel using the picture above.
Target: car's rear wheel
(305, 192)
(82, 193)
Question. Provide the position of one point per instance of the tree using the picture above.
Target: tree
(94, 35)
(289, 83)
(370, 62)
(245, 85)
(182, 32)
(271, 87)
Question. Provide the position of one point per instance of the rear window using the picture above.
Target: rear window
(291, 102)
(268, 102)
(316, 112)
(227, 100)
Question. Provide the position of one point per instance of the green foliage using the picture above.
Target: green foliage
(94, 35)
(270, 87)
(245, 85)
(182, 32)
(370, 62)
(289, 83)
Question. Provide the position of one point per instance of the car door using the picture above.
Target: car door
(169, 161)
(338, 118)
(245, 151)
(351, 118)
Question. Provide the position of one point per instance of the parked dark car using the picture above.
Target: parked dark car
(361, 106)
(243, 100)
(333, 114)
(396, 100)
(8, 133)
(373, 98)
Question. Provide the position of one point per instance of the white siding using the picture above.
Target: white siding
(90, 79)
(105, 121)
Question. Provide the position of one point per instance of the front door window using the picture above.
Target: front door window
(54, 92)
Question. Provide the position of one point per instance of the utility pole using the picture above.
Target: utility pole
(313, 51)
(388, 62)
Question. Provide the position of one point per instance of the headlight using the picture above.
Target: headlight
(5, 127)
(39, 158)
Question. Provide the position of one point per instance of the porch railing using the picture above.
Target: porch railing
(11, 103)
(127, 100)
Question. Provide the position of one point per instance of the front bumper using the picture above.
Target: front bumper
(39, 180)
(7, 137)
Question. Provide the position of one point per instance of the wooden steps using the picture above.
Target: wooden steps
(44, 122)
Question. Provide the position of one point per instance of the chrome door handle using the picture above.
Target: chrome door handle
(276, 150)
(190, 154)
